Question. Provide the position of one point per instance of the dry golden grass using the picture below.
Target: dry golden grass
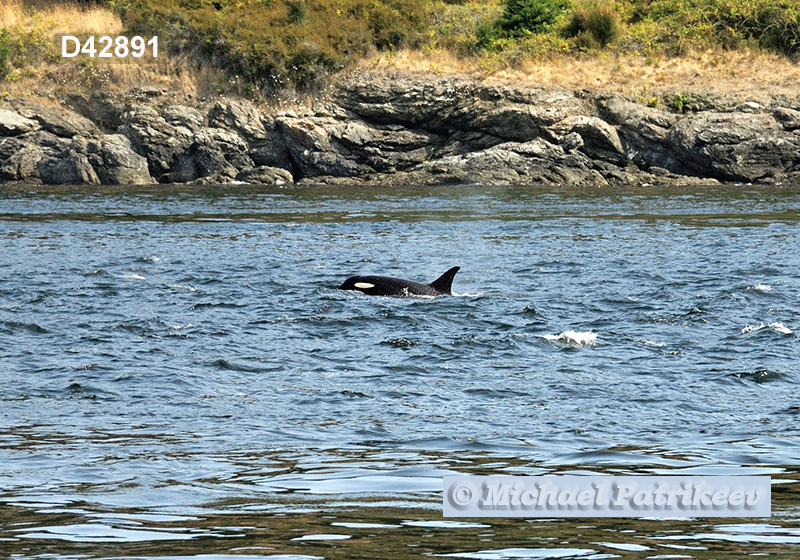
(53, 76)
(745, 73)
(182, 79)
(57, 17)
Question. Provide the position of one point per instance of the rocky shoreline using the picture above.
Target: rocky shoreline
(403, 129)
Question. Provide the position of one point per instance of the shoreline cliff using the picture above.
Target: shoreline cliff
(400, 129)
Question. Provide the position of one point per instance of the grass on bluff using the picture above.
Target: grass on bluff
(26, 32)
(261, 47)
(31, 62)
(273, 44)
(280, 43)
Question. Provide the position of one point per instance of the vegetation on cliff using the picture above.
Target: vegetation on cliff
(271, 45)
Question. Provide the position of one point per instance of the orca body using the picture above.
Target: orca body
(397, 287)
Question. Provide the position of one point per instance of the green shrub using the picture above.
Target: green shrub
(5, 53)
(523, 17)
(640, 10)
(773, 25)
(298, 12)
(593, 26)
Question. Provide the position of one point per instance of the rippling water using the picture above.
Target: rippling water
(190, 348)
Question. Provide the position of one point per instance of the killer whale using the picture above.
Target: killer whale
(397, 287)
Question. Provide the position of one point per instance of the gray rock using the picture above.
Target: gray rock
(642, 131)
(571, 141)
(14, 124)
(180, 116)
(215, 155)
(599, 140)
(152, 136)
(49, 143)
(60, 122)
(649, 122)
(327, 146)
(148, 91)
(519, 123)
(271, 151)
(103, 108)
(203, 161)
(232, 146)
(462, 142)
(384, 148)
(71, 168)
(23, 164)
(116, 163)
(789, 118)
(445, 105)
(530, 163)
(313, 151)
(265, 175)
(239, 116)
(735, 146)
(402, 129)
(751, 107)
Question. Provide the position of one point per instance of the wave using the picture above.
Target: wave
(777, 327)
(573, 338)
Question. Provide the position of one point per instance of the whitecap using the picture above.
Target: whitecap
(135, 276)
(779, 327)
(573, 338)
(182, 287)
(762, 288)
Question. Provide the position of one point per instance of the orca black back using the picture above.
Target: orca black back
(397, 287)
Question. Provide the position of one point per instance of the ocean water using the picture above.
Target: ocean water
(174, 353)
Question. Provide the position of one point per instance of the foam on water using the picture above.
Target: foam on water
(777, 327)
(573, 338)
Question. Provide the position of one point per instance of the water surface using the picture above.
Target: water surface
(179, 351)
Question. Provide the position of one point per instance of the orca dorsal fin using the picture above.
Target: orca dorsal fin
(445, 281)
